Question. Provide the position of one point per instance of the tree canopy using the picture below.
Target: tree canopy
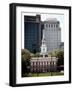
(25, 62)
(25, 54)
(60, 55)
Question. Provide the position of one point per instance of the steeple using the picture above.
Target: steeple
(43, 46)
(43, 39)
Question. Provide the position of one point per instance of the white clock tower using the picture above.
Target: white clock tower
(43, 46)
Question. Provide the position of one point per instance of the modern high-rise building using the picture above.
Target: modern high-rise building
(32, 33)
(52, 34)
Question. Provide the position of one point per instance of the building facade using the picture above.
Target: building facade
(52, 34)
(45, 64)
(32, 33)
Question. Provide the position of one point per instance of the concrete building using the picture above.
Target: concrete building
(52, 34)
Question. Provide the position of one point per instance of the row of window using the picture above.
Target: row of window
(51, 25)
(56, 30)
(42, 63)
(43, 69)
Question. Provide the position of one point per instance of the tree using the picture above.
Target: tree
(60, 55)
(35, 55)
(60, 63)
(25, 62)
(25, 54)
(60, 58)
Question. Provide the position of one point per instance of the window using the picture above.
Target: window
(51, 25)
(56, 25)
(34, 63)
(48, 63)
(53, 63)
(47, 25)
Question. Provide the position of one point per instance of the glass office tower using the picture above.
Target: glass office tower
(32, 33)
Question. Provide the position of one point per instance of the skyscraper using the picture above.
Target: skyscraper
(32, 33)
(52, 34)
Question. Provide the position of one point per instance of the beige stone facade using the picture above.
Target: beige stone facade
(43, 64)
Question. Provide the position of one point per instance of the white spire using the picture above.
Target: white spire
(43, 46)
(43, 34)
(43, 38)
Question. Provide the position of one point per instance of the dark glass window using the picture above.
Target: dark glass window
(31, 36)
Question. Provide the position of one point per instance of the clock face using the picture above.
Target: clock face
(43, 49)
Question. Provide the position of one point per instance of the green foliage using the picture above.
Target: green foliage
(34, 51)
(57, 53)
(51, 54)
(47, 74)
(60, 55)
(26, 56)
(35, 55)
